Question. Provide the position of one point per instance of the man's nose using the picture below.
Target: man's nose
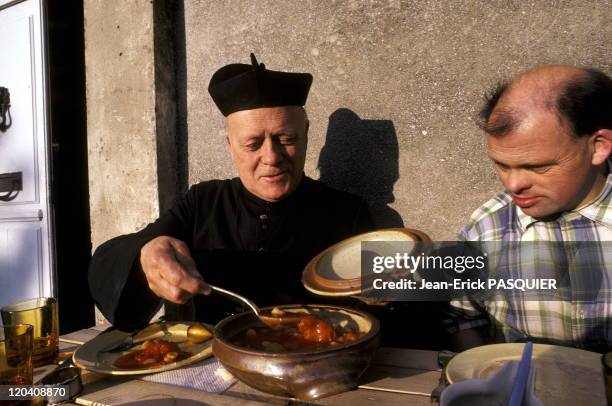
(271, 153)
(516, 181)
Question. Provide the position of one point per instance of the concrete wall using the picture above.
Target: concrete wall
(121, 119)
(134, 147)
(393, 104)
(121, 127)
(131, 114)
(397, 87)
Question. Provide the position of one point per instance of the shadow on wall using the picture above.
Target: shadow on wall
(361, 157)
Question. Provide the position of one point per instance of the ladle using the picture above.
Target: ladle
(267, 317)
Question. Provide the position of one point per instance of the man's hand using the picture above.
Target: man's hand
(170, 271)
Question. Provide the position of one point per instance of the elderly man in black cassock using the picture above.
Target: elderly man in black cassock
(252, 234)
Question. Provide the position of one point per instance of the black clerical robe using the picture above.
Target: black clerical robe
(239, 242)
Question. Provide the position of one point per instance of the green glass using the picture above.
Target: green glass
(41, 314)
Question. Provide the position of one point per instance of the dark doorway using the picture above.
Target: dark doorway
(70, 187)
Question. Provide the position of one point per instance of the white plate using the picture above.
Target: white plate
(89, 356)
(564, 376)
(337, 270)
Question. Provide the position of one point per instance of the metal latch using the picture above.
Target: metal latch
(5, 109)
(10, 184)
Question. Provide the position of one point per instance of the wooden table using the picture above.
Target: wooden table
(396, 377)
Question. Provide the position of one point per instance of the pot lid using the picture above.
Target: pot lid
(337, 270)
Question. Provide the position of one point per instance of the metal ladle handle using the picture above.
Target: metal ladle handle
(236, 297)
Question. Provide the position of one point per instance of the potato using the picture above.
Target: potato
(277, 312)
(170, 357)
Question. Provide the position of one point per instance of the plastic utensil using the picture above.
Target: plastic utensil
(520, 381)
(494, 391)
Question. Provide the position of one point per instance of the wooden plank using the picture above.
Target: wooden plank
(65, 347)
(356, 397)
(401, 380)
(118, 391)
(122, 390)
(396, 376)
(101, 326)
(364, 397)
(80, 336)
(402, 357)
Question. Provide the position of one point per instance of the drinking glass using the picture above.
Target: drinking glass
(606, 361)
(41, 314)
(15, 357)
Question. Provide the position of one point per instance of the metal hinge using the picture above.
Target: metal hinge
(10, 185)
(5, 109)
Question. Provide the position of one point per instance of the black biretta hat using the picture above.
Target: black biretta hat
(239, 87)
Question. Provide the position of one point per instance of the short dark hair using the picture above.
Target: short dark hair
(505, 120)
(585, 102)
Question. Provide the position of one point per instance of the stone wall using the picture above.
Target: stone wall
(131, 114)
(396, 91)
(392, 108)
(121, 127)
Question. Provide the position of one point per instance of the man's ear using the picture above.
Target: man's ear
(306, 134)
(602, 146)
(227, 132)
(229, 147)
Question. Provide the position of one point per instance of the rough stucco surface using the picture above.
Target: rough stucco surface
(120, 117)
(397, 87)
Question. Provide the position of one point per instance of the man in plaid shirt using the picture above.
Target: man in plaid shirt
(549, 135)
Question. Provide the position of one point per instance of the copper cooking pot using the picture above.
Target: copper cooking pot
(306, 375)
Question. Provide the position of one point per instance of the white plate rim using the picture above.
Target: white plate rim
(456, 368)
(116, 335)
(308, 280)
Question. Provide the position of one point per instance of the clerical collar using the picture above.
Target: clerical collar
(259, 203)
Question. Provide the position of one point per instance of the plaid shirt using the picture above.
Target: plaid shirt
(577, 323)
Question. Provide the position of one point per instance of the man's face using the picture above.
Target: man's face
(268, 148)
(546, 170)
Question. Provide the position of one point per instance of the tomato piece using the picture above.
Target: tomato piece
(165, 347)
(314, 329)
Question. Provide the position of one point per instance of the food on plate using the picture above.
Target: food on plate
(152, 354)
(309, 333)
(277, 312)
(197, 333)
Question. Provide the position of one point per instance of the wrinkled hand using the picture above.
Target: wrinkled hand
(170, 270)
